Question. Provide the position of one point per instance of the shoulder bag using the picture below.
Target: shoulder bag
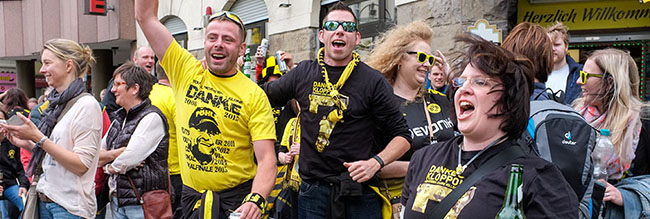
(156, 204)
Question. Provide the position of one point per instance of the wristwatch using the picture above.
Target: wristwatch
(40, 143)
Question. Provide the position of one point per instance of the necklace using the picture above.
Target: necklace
(460, 168)
(337, 114)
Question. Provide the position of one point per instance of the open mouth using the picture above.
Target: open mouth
(465, 108)
(218, 57)
(338, 43)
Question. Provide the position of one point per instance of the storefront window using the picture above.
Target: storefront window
(375, 16)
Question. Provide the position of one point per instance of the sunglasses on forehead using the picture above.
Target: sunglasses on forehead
(348, 26)
(584, 75)
(422, 57)
(231, 16)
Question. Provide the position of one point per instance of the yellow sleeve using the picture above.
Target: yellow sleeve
(261, 123)
(179, 65)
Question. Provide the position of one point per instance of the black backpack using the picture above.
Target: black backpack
(559, 134)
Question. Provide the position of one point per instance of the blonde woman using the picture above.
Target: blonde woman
(610, 100)
(66, 143)
(403, 56)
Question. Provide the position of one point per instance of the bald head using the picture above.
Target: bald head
(144, 57)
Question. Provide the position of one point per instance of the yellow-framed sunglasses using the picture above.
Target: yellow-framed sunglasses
(584, 75)
(423, 57)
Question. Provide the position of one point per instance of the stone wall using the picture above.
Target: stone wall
(450, 17)
(301, 43)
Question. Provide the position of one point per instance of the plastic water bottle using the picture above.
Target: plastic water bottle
(602, 153)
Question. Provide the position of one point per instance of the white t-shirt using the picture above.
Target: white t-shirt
(557, 79)
(79, 131)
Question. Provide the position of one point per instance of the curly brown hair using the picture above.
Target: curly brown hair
(394, 44)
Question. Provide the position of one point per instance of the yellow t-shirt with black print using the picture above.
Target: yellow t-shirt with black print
(217, 119)
(162, 97)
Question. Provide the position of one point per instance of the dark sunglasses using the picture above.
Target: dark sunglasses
(422, 57)
(231, 16)
(584, 75)
(348, 26)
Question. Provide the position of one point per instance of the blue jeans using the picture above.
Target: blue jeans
(12, 198)
(126, 212)
(314, 199)
(51, 210)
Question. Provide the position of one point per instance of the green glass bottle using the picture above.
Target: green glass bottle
(512, 208)
(248, 65)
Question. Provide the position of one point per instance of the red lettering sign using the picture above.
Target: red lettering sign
(96, 7)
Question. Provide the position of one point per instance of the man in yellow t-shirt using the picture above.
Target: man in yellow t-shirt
(223, 120)
(162, 97)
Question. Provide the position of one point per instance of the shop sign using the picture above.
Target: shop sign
(609, 14)
(7, 80)
(95, 7)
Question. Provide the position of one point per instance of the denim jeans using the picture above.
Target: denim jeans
(12, 199)
(126, 212)
(52, 210)
(314, 199)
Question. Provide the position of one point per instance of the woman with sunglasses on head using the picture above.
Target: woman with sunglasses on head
(610, 100)
(402, 56)
(65, 145)
(491, 106)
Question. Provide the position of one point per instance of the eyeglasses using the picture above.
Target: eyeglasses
(348, 26)
(584, 75)
(475, 82)
(231, 16)
(118, 84)
(422, 57)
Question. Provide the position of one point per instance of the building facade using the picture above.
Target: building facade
(107, 27)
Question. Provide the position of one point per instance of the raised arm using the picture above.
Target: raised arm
(146, 14)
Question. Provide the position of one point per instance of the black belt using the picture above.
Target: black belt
(44, 198)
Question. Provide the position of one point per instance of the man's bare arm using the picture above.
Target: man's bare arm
(264, 179)
(146, 14)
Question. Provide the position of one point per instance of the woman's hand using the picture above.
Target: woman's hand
(288, 59)
(22, 192)
(26, 131)
(442, 62)
(295, 149)
(284, 158)
(612, 194)
(259, 56)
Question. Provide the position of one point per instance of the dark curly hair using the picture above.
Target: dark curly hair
(513, 71)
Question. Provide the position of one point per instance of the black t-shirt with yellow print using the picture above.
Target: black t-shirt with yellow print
(369, 98)
(432, 176)
(438, 107)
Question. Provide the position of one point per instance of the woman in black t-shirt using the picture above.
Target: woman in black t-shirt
(403, 58)
(491, 99)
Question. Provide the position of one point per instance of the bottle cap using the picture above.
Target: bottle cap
(604, 132)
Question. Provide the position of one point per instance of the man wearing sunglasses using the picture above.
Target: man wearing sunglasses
(343, 100)
(222, 117)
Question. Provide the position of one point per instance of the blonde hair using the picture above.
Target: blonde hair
(621, 94)
(81, 55)
(559, 30)
(394, 44)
